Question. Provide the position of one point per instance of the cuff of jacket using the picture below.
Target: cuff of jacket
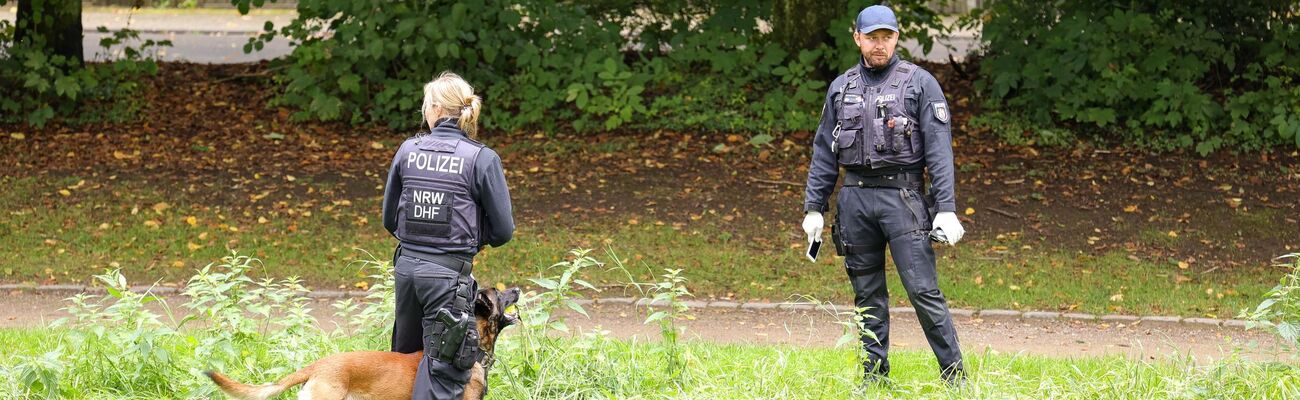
(946, 207)
(818, 207)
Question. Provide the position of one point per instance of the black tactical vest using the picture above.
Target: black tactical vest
(437, 206)
(873, 128)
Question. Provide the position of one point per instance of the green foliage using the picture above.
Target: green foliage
(237, 309)
(670, 291)
(252, 329)
(113, 334)
(550, 64)
(36, 87)
(121, 321)
(1280, 310)
(373, 316)
(538, 309)
(1160, 74)
(40, 376)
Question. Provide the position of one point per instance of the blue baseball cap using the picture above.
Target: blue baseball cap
(876, 17)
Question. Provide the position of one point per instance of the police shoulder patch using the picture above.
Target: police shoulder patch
(940, 111)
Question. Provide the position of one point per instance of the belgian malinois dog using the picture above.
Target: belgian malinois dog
(383, 375)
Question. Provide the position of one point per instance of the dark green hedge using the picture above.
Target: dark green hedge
(547, 65)
(1157, 73)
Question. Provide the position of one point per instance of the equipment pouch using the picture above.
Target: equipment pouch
(877, 130)
(835, 238)
(899, 134)
(850, 148)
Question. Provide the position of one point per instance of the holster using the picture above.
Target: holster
(457, 344)
(835, 238)
(453, 335)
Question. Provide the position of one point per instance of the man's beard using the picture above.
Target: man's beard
(875, 61)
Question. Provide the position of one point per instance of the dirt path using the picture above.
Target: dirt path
(1054, 338)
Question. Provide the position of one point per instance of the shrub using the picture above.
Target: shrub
(547, 65)
(36, 88)
(1157, 73)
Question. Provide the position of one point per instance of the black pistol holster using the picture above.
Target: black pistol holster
(453, 335)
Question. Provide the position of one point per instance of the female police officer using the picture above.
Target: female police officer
(445, 199)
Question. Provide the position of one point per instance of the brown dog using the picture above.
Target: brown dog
(383, 375)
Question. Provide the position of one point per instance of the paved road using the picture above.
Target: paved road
(218, 36)
(212, 36)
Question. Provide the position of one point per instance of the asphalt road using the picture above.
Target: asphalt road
(218, 36)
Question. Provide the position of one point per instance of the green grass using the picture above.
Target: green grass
(47, 237)
(596, 367)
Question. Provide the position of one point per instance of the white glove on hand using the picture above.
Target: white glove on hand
(812, 225)
(951, 227)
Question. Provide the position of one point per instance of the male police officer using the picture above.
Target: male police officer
(885, 121)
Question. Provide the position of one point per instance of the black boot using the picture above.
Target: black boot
(954, 376)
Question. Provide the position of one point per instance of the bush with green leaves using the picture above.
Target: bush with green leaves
(36, 87)
(545, 65)
(1162, 74)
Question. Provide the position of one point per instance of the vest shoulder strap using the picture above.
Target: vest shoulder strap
(902, 73)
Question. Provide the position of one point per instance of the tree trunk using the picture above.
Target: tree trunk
(803, 24)
(54, 25)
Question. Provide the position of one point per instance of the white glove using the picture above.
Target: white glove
(812, 225)
(949, 225)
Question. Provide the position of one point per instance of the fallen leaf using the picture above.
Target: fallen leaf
(970, 211)
(178, 264)
(1183, 265)
(262, 220)
(64, 192)
(376, 145)
(160, 207)
(18, 135)
(290, 178)
(103, 226)
(192, 221)
(363, 285)
(1131, 208)
(193, 246)
(1117, 297)
(1173, 234)
(152, 223)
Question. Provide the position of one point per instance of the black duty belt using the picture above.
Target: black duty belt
(458, 264)
(906, 180)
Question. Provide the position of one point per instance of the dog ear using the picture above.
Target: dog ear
(483, 302)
